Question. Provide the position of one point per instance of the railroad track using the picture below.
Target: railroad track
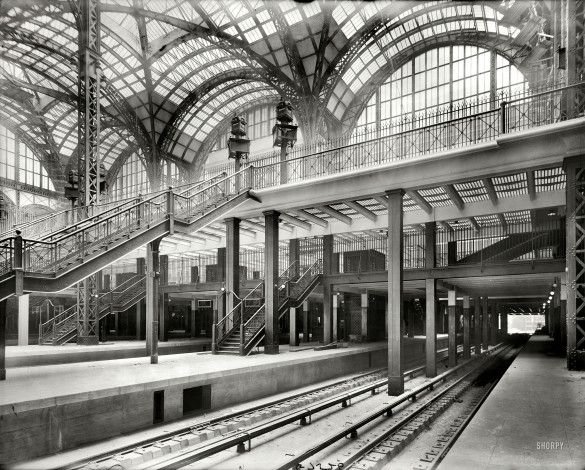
(380, 443)
(195, 442)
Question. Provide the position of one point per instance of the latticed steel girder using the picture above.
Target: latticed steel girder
(87, 16)
(575, 169)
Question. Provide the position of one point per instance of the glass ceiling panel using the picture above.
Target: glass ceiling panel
(401, 33)
(219, 104)
(186, 66)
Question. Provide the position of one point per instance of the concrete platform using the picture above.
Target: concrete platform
(46, 409)
(533, 419)
(35, 355)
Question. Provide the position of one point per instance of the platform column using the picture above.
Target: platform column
(293, 327)
(504, 324)
(3, 339)
(152, 301)
(140, 306)
(164, 315)
(452, 326)
(485, 323)
(335, 305)
(563, 316)
(557, 312)
(305, 321)
(270, 281)
(23, 316)
(364, 316)
(232, 264)
(327, 270)
(431, 300)
(431, 327)
(477, 324)
(466, 328)
(395, 307)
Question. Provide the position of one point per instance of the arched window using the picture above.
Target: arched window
(18, 162)
(132, 179)
(439, 79)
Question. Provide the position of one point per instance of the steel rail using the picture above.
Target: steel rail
(240, 438)
(219, 419)
(387, 410)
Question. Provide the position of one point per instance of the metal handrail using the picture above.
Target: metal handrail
(231, 315)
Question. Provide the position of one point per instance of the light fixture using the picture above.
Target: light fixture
(552, 292)
(555, 285)
(551, 213)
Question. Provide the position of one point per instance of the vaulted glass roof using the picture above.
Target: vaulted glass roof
(173, 71)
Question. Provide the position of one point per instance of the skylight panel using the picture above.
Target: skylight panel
(293, 17)
(269, 28)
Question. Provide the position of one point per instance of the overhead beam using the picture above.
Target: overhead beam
(453, 272)
(446, 226)
(335, 214)
(294, 221)
(383, 200)
(441, 215)
(420, 201)
(311, 217)
(474, 224)
(491, 190)
(454, 196)
(367, 213)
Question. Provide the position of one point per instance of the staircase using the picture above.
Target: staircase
(514, 246)
(63, 258)
(243, 328)
(62, 328)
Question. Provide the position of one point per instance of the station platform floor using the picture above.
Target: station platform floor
(38, 355)
(533, 419)
(51, 408)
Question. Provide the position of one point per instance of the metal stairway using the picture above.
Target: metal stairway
(243, 328)
(67, 256)
(63, 327)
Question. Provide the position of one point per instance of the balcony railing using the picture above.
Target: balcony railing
(409, 139)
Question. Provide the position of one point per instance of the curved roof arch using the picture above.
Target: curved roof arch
(410, 33)
(211, 108)
(223, 128)
(360, 100)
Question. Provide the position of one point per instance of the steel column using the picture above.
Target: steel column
(152, 298)
(485, 323)
(575, 171)
(232, 263)
(270, 281)
(431, 327)
(452, 325)
(364, 316)
(306, 321)
(3, 339)
(477, 324)
(466, 328)
(23, 317)
(327, 269)
(88, 129)
(395, 304)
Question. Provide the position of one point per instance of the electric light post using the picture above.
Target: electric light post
(284, 134)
